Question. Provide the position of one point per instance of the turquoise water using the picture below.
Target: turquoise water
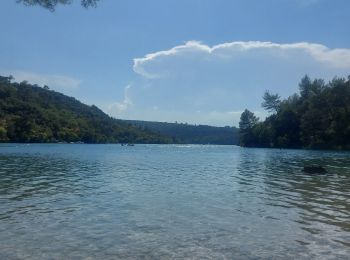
(61, 201)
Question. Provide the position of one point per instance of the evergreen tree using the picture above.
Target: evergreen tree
(318, 118)
(51, 4)
(271, 102)
(246, 124)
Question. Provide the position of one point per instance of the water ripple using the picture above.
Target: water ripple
(170, 201)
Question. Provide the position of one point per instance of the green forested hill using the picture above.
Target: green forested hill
(29, 113)
(192, 134)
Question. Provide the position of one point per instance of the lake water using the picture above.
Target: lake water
(61, 201)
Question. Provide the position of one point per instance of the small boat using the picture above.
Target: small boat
(130, 144)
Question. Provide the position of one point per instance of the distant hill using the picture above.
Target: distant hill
(29, 113)
(192, 134)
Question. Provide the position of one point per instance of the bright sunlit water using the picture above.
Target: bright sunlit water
(62, 201)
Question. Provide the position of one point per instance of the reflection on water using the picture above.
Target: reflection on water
(169, 201)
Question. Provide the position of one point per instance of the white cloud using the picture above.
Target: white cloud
(117, 108)
(194, 82)
(190, 46)
(336, 58)
(53, 81)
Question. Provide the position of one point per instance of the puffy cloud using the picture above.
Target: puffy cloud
(228, 77)
(189, 47)
(118, 108)
(53, 81)
(152, 65)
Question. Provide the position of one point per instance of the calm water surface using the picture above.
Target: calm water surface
(171, 202)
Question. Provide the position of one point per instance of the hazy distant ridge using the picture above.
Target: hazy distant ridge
(193, 134)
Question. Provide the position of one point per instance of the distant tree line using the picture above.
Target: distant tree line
(29, 113)
(192, 134)
(316, 118)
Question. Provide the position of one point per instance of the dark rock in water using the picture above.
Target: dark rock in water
(314, 169)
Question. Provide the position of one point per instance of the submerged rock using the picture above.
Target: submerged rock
(314, 169)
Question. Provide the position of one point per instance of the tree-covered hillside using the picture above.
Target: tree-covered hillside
(192, 134)
(318, 118)
(29, 113)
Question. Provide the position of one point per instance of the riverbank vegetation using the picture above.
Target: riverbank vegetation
(318, 117)
(33, 114)
(29, 113)
(51, 4)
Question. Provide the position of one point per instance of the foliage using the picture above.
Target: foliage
(317, 118)
(29, 113)
(51, 4)
(271, 101)
(194, 134)
(246, 125)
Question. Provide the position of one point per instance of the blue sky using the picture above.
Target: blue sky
(195, 61)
